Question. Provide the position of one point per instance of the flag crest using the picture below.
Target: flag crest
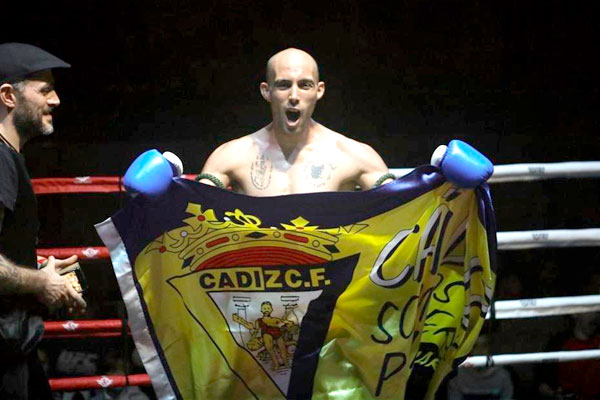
(322, 296)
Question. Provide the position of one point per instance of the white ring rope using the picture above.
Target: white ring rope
(534, 172)
(530, 308)
(528, 358)
(547, 306)
(400, 172)
(548, 238)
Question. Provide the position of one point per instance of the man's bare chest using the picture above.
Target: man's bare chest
(268, 175)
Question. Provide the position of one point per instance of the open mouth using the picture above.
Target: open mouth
(292, 115)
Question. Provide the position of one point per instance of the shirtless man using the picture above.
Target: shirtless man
(294, 153)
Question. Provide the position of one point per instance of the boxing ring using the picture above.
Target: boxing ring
(507, 241)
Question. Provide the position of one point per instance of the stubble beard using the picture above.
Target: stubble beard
(28, 123)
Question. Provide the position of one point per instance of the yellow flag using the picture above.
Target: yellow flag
(343, 296)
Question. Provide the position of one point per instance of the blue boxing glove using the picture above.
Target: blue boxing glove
(462, 165)
(151, 173)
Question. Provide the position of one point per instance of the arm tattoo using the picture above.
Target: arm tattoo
(260, 172)
(11, 277)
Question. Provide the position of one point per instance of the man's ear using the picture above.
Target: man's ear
(7, 95)
(320, 90)
(265, 91)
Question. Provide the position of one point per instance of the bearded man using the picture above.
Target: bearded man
(27, 99)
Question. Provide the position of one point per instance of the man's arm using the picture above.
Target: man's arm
(13, 279)
(47, 285)
(372, 167)
(222, 162)
(17, 280)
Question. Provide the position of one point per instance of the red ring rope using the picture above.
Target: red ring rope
(83, 335)
(84, 253)
(82, 184)
(98, 382)
(83, 326)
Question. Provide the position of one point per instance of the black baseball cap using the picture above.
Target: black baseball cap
(20, 59)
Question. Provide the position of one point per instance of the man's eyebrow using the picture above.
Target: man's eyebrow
(48, 87)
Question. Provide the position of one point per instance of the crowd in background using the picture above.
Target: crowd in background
(576, 380)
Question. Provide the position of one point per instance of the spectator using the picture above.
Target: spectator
(577, 380)
(481, 383)
(509, 287)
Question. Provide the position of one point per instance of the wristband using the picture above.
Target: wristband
(211, 178)
(384, 177)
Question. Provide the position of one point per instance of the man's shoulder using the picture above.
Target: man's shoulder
(8, 178)
(7, 159)
(6, 152)
(237, 144)
(365, 161)
(348, 146)
(231, 154)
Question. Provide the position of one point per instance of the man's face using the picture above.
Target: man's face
(36, 100)
(266, 309)
(293, 91)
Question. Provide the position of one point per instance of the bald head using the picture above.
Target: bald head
(291, 58)
(292, 89)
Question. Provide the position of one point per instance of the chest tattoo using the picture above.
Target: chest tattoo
(318, 173)
(260, 172)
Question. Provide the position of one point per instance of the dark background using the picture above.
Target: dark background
(518, 80)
